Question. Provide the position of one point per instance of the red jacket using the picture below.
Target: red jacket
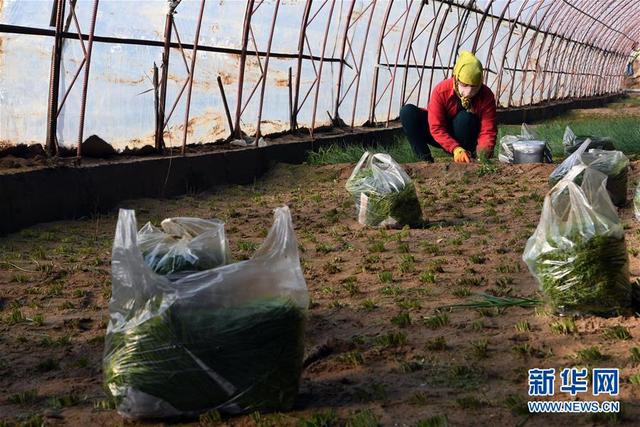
(443, 107)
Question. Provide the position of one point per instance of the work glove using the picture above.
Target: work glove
(460, 155)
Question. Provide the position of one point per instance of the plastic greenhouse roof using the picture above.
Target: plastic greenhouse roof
(284, 64)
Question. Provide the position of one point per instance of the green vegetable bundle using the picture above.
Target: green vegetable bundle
(230, 338)
(235, 359)
(572, 142)
(578, 252)
(183, 245)
(614, 164)
(592, 276)
(169, 261)
(383, 192)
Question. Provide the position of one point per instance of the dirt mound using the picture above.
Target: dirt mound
(97, 148)
(22, 151)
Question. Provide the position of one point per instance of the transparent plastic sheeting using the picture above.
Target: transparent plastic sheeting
(384, 194)
(229, 338)
(578, 252)
(404, 47)
(614, 164)
(184, 244)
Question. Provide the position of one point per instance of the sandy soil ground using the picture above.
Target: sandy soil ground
(373, 342)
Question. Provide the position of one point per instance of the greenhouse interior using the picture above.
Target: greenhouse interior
(419, 193)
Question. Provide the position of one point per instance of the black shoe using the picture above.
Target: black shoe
(427, 157)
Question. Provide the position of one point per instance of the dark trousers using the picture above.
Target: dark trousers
(464, 128)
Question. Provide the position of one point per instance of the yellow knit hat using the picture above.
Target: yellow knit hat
(468, 69)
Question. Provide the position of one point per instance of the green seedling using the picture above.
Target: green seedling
(436, 321)
(436, 344)
(617, 332)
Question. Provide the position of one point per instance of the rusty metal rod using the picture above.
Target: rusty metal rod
(226, 106)
(85, 83)
(156, 104)
(184, 56)
(406, 15)
(166, 120)
(319, 77)
(523, 36)
(79, 70)
(54, 13)
(164, 79)
(72, 11)
(301, 39)
(499, 91)
(374, 87)
(436, 44)
(359, 68)
(237, 131)
(73, 82)
(436, 14)
(266, 68)
(343, 47)
(54, 82)
(409, 52)
(17, 29)
(192, 71)
(290, 101)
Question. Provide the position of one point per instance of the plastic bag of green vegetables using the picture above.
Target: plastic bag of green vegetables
(578, 252)
(383, 192)
(184, 245)
(229, 338)
(506, 152)
(571, 142)
(614, 164)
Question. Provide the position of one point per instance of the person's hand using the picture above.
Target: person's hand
(460, 155)
(484, 155)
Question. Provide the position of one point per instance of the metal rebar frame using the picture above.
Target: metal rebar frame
(521, 83)
(166, 53)
(54, 80)
(582, 55)
(556, 79)
(494, 37)
(318, 78)
(393, 72)
(85, 82)
(348, 42)
(569, 56)
(379, 52)
(543, 51)
(248, 35)
(541, 69)
(410, 55)
(508, 49)
(194, 55)
(422, 69)
(345, 40)
(303, 43)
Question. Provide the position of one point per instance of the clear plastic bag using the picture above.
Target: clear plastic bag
(184, 245)
(578, 252)
(571, 142)
(614, 164)
(506, 151)
(230, 338)
(383, 192)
